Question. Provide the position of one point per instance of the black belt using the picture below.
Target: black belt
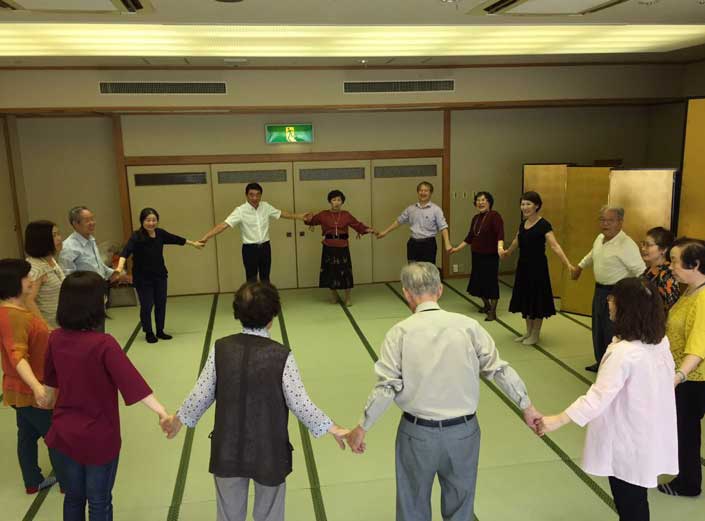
(257, 244)
(604, 286)
(341, 237)
(423, 240)
(433, 423)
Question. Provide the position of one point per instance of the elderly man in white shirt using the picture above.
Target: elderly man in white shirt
(253, 219)
(614, 256)
(438, 389)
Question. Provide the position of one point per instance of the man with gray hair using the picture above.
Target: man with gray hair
(437, 388)
(80, 251)
(614, 256)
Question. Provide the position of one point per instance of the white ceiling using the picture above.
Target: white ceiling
(352, 12)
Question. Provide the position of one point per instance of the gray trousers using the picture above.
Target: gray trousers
(231, 497)
(450, 452)
(602, 326)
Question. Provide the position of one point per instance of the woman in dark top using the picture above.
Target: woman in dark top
(485, 236)
(83, 372)
(336, 265)
(532, 295)
(149, 272)
(654, 251)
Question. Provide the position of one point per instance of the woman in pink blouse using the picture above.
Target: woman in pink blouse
(631, 408)
(336, 265)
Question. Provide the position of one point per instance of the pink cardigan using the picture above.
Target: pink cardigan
(631, 409)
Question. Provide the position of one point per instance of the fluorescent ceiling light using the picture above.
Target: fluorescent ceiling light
(339, 41)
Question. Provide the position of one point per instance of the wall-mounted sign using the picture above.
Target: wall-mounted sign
(289, 133)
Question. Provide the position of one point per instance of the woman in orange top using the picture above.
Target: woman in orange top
(24, 338)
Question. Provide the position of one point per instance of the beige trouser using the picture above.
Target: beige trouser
(231, 497)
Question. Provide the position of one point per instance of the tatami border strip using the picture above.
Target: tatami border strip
(180, 484)
(311, 469)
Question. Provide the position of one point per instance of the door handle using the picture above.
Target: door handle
(288, 234)
(301, 234)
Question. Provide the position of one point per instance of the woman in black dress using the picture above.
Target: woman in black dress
(485, 236)
(149, 272)
(532, 295)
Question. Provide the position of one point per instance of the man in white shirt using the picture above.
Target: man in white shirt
(614, 256)
(253, 220)
(438, 388)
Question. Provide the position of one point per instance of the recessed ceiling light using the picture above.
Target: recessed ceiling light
(228, 1)
(363, 61)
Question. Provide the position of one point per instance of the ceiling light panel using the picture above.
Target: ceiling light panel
(339, 41)
(67, 5)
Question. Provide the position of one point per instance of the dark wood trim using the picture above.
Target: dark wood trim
(13, 182)
(121, 173)
(346, 67)
(283, 109)
(445, 263)
(274, 158)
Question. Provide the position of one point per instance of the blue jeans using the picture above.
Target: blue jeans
(32, 423)
(93, 483)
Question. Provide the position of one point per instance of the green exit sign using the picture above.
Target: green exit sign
(290, 133)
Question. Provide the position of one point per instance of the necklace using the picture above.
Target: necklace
(336, 220)
(476, 230)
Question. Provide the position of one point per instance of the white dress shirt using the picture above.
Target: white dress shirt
(614, 260)
(253, 222)
(443, 356)
(81, 254)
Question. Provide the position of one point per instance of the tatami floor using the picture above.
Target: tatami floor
(521, 476)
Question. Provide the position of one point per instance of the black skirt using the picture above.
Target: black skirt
(532, 295)
(483, 277)
(336, 268)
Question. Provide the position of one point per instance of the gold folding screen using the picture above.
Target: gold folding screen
(646, 196)
(587, 190)
(690, 220)
(550, 182)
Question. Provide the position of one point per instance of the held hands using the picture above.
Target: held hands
(552, 423)
(356, 440)
(381, 235)
(41, 397)
(532, 418)
(171, 425)
(339, 433)
(575, 272)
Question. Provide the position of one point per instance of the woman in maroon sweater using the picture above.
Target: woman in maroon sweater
(88, 368)
(336, 266)
(485, 235)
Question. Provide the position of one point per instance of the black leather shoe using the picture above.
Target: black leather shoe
(164, 336)
(593, 368)
(151, 339)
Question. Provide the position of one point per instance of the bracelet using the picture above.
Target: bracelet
(683, 376)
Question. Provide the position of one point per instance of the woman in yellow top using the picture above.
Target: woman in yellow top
(685, 329)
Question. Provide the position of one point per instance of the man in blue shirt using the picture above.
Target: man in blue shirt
(425, 219)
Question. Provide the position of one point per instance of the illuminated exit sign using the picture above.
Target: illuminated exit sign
(291, 133)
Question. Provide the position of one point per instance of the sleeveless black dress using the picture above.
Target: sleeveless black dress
(532, 295)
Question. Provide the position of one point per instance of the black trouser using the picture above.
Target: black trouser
(152, 294)
(602, 326)
(257, 258)
(690, 406)
(421, 250)
(632, 501)
(32, 423)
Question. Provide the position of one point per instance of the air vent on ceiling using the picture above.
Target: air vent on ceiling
(365, 87)
(154, 87)
(542, 7)
(102, 7)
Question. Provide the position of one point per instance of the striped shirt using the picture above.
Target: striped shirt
(48, 296)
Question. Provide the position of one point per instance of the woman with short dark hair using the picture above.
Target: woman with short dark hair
(630, 409)
(685, 328)
(23, 342)
(149, 273)
(485, 237)
(42, 243)
(654, 251)
(336, 264)
(532, 295)
(88, 368)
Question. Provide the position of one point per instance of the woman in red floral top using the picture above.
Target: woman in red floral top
(336, 266)
(654, 251)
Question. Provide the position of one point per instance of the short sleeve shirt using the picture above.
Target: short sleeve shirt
(685, 329)
(253, 222)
